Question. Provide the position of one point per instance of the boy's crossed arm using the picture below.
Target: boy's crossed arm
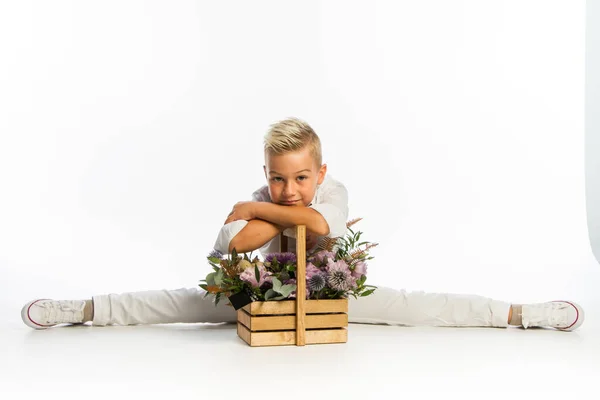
(284, 216)
(267, 220)
(252, 224)
(253, 236)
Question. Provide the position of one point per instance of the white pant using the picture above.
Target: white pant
(385, 306)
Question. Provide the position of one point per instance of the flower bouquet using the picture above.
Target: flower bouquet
(269, 312)
(335, 269)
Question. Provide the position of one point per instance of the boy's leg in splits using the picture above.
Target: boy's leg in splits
(384, 306)
(398, 307)
(133, 308)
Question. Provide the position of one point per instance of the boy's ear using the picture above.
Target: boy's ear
(322, 172)
(265, 170)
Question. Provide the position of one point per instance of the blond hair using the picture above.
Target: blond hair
(292, 134)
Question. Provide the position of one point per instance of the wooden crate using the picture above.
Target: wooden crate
(294, 322)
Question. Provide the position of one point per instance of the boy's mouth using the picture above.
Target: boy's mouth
(289, 203)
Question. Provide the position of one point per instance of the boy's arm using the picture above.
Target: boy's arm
(245, 235)
(289, 216)
(254, 235)
(326, 218)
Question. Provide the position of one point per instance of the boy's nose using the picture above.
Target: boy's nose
(288, 190)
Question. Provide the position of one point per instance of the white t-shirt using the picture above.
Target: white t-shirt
(331, 201)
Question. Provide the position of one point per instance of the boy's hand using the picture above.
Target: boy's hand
(241, 210)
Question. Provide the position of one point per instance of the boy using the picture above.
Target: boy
(298, 192)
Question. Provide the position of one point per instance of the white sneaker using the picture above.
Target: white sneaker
(561, 315)
(44, 313)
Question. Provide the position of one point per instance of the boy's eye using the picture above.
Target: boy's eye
(279, 179)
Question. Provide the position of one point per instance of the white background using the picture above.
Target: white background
(129, 129)
(592, 122)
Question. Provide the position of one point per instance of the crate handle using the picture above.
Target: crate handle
(300, 280)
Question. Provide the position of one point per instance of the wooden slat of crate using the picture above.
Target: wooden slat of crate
(289, 307)
(283, 322)
(284, 338)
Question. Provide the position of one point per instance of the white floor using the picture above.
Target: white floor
(210, 360)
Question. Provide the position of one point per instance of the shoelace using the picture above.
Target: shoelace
(60, 311)
(546, 314)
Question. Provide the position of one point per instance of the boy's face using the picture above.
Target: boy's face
(293, 177)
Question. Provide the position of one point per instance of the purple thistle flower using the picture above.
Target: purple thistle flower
(216, 254)
(339, 276)
(282, 258)
(316, 282)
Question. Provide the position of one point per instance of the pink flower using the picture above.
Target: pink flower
(320, 257)
(340, 265)
(360, 269)
(311, 270)
(249, 275)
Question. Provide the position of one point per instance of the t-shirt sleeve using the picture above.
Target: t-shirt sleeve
(229, 231)
(334, 208)
(261, 194)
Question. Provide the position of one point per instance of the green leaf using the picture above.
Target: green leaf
(270, 294)
(257, 273)
(210, 279)
(361, 280)
(276, 284)
(214, 260)
(286, 290)
(219, 278)
(367, 292)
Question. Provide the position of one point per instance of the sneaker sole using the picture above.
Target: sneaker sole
(27, 319)
(578, 319)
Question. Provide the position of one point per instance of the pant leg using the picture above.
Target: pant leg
(397, 307)
(160, 307)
